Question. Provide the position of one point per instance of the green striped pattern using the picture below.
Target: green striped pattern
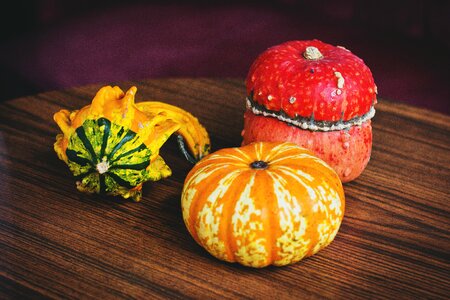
(119, 148)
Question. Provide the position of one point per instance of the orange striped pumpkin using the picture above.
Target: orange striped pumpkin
(262, 204)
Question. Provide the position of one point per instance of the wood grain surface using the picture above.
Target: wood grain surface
(56, 242)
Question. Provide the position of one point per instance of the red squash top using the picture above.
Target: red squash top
(313, 80)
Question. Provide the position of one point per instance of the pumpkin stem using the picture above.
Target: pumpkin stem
(259, 164)
(182, 147)
(312, 53)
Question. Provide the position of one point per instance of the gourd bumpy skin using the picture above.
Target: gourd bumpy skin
(112, 146)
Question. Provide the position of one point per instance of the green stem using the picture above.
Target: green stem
(182, 146)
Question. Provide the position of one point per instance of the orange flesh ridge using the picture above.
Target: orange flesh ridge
(269, 208)
(200, 200)
(201, 196)
(225, 226)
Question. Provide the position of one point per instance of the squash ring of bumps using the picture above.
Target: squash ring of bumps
(112, 145)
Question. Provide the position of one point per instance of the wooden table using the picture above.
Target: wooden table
(56, 242)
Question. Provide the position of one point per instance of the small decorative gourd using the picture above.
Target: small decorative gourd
(112, 146)
(264, 203)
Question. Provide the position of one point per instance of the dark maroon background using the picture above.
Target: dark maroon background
(57, 44)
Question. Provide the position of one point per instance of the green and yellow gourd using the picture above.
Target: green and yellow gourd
(112, 145)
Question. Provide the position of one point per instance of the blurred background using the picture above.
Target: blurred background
(48, 44)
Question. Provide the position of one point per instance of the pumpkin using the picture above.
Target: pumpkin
(112, 145)
(261, 204)
(316, 95)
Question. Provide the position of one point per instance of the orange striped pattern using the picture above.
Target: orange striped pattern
(259, 217)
